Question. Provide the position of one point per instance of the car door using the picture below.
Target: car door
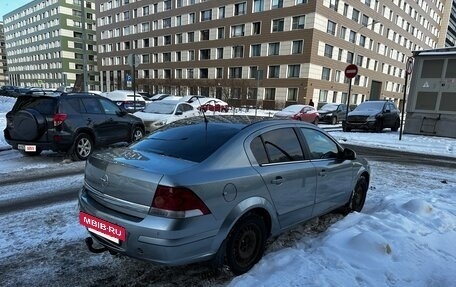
(388, 115)
(334, 175)
(288, 176)
(116, 126)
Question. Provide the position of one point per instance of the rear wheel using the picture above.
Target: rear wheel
(82, 147)
(316, 120)
(246, 243)
(138, 134)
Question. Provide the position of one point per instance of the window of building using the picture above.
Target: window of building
(328, 50)
(204, 73)
(298, 22)
(167, 57)
(219, 73)
(334, 4)
(179, 20)
(191, 18)
(323, 96)
(255, 50)
(206, 15)
(179, 38)
(325, 74)
(331, 28)
(191, 55)
(240, 8)
(167, 5)
(219, 53)
(269, 94)
(253, 72)
(258, 5)
(178, 56)
(167, 22)
(190, 73)
(179, 3)
(293, 71)
(220, 32)
(236, 72)
(191, 37)
(256, 28)
(205, 54)
(237, 30)
(352, 37)
(274, 49)
(277, 25)
(205, 35)
(276, 4)
(221, 12)
(297, 47)
(274, 72)
(355, 15)
(167, 39)
(238, 51)
(292, 95)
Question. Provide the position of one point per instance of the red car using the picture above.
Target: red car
(304, 113)
(213, 105)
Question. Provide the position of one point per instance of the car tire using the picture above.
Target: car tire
(357, 198)
(138, 133)
(346, 129)
(316, 120)
(82, 147)
(396, 126)
(334, 120)
(246, 243)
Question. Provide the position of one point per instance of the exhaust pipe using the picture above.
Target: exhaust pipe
(89, 243)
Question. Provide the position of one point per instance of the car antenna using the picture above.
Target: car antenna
(201, 109)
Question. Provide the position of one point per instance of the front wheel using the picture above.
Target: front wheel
(334, 120)
(246, 243)
(316, 120)
(83, 147)
(358, 197)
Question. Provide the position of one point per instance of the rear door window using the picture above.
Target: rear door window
(44, 105)
(92, 106)
(280, 145)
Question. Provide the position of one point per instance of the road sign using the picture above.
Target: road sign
(133, 60)
(351, 71)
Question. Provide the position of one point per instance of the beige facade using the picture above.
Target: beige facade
(301, 47)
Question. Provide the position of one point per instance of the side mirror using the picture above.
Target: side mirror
(349, 154)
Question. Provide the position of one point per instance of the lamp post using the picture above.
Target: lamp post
(84, 48)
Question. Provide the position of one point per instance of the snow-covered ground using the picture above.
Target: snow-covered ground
(404, 236)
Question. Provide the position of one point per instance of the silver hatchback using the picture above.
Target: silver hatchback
(216, 188)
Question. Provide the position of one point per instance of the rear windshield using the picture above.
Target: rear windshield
(190, 142)
(44, 105)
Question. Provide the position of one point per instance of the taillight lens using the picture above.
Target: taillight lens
(59, 119)
(177, 202)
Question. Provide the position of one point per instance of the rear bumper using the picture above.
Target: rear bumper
(63, 144)
(157, 239)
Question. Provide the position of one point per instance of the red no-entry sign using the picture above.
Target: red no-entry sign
(351, 71)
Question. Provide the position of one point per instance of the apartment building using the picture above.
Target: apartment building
(47, 44)
(3, 68)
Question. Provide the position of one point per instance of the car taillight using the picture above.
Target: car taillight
(59, 119)
(177, 202)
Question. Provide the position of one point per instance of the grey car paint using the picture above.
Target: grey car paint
(120, 186)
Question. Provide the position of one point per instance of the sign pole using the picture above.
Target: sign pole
(350, 72)
(408, 69)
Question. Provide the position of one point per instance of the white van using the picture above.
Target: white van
(130, 101)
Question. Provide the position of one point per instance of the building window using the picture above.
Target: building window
(179, 20)
(167, 23)
(276, 4)
(167, 39)
(293, 71)
(221, 33)
(301, 1)
(328, 51)
(206, 15)
(190, 73)
(334, 4)
(292, 95)
(204, 73)
(219, 73)
(256, 28)
(191, 55)
(179, 38)
(237, 31)
(191, 37)
(325, 74)
(297, 47)
(253, 72)
(269, 94)
(235, 93)
(219, 53)
(274, 49)
(178, 73)
(258, 5)
(191, 18)
(274, 72)
(179, 3)
(298, 22)
(349, 57)
(323, 97)
(236, 72)
(204, 35)
(355, 15)
(178, 56)
(352, 37)
(238, 51)
(205, 54)
(240, 8)
(277, 25)
(145, 59)
(167, 5)
(255, 50)
(221, 12)
(343, 32)
(331, 28)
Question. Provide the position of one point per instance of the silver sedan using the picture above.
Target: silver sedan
(216, 188)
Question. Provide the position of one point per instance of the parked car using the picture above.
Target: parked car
(332, 113)
(298, 112)
(7, 91)
(73, 123)
(373, 115)
(216, 189)
(158, 97)
(159, 113)
(128, 100)
(211, 104)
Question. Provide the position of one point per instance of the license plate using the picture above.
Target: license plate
(103, 228)
(27, 148)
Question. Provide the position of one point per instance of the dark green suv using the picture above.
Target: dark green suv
(74, 123)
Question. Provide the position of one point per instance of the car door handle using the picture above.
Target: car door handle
(278, 180)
